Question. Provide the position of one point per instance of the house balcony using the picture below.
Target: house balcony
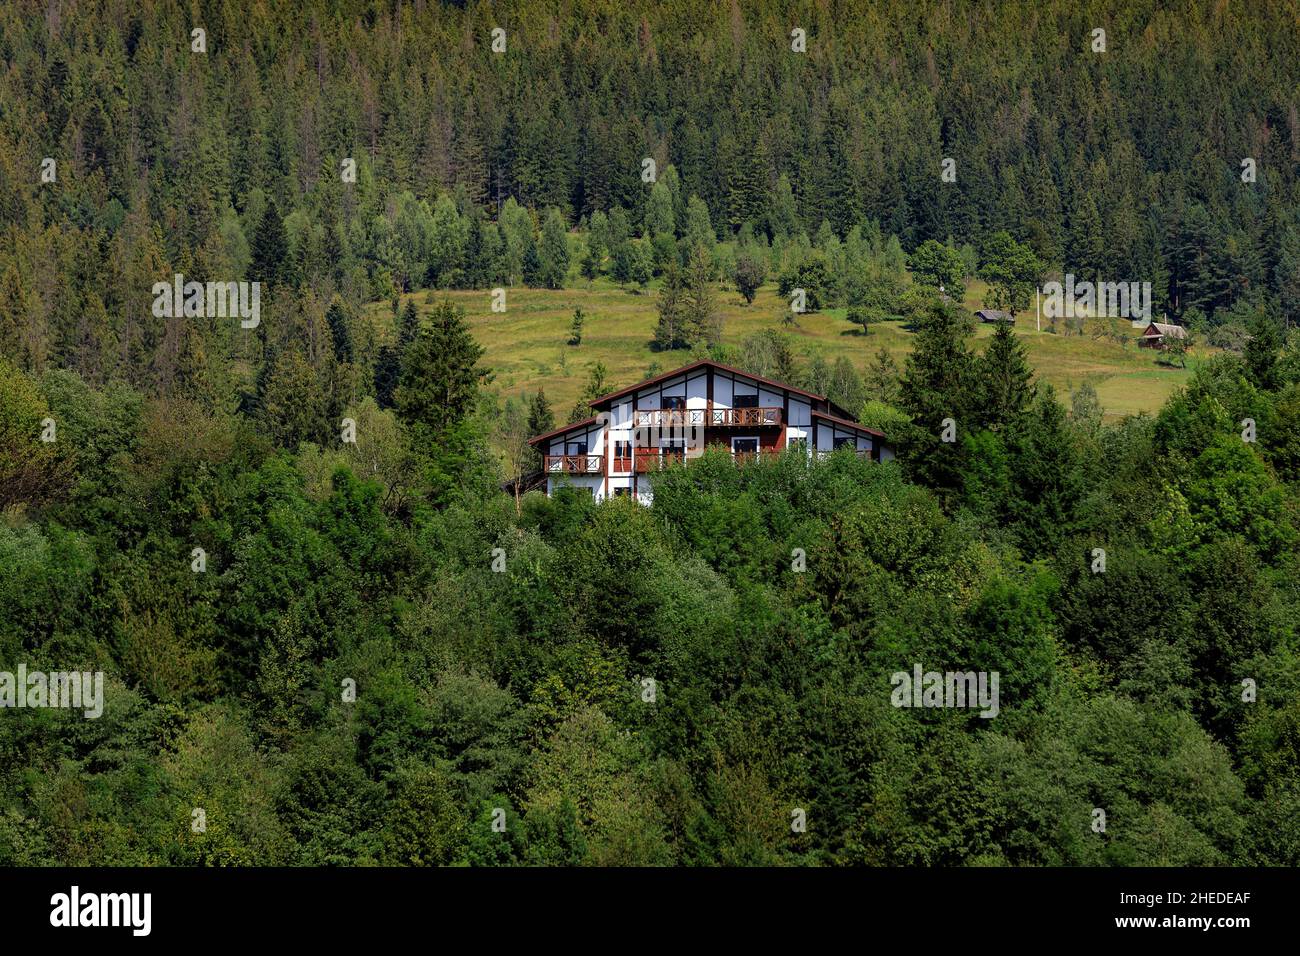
(574, 464)
(712, 416)
(757, 417)
(653, 459)
(671, 417)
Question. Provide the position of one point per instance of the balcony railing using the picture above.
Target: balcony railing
(744, 416)
(712, 416)
(574, 464)
(650, 417)
(652, 459)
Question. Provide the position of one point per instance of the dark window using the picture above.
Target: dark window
(841, 441)
(744, 446)
(745, 401)
(676, 401)
(622, 492)
(575, 448)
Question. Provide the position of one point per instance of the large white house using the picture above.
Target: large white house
(676, 415)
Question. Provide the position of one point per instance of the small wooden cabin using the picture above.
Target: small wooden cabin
(1155, 334)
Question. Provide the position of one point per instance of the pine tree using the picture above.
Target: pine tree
(553, 251)
(540, 420)
(1005, 380)
(1261, 353)
(1045, 480)
(340, 333)
(408, 327)
(270, 247)
(700, 317)
(882, 378)
(440, 375)
(670, 332)
(938, 384)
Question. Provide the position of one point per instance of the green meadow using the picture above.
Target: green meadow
(527, 345)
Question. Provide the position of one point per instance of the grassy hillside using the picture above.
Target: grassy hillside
(527, 345)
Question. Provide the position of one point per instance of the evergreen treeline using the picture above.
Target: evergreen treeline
(470, 165)
(362, 651)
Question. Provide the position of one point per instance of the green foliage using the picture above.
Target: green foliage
(769, 602)
(749, 274)
(1012, 271)
(938, 266)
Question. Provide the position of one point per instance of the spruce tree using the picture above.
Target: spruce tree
(270, 247)
(882, 378)
(1045, 478)
(340, 334)
(440, 374)
(540, 421)
(388, 370)
(553, 252)
(700, 316)
(408, 326)
(937, 385)
(1005, 380)
(1261, 353)
(670, 333)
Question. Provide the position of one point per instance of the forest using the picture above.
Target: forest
(332, 637)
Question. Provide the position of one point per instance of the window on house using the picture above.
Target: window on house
(674, 401)
(745, 401)
(842, 441)
(672, 448)
(744, 446)
(575, 448)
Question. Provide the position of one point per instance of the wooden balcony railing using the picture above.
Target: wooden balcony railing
(651, 417)
(652, 459)
(574, 464)
(747, 417)
(712, 416)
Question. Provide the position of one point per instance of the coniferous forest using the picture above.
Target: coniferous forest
(333, 628)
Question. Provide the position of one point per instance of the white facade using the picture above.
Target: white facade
(677, 415)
